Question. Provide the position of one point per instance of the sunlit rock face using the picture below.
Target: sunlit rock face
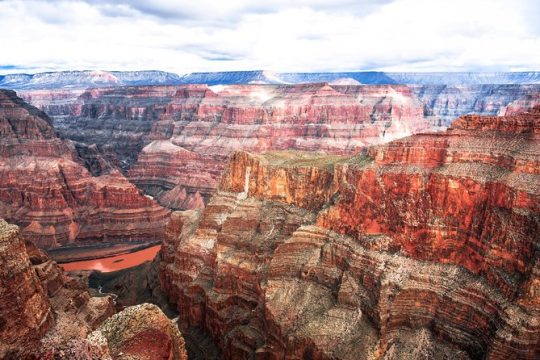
(426, 247)
(177, 138)
(47, 190)
(173, 141)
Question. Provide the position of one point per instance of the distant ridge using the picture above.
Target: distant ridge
(99, 78)
(87, 78)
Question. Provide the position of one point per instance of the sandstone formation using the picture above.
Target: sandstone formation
(41, 308)
(140, 332)
(424, 248)
(25, 311)
(175, 140)
(47, 190)
(46, 314)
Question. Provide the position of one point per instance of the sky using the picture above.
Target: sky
(186, 36)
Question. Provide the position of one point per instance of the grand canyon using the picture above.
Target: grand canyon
(315, 219)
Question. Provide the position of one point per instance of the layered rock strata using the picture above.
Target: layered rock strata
(25, 311)
(176, 140)
(426, 247)
(46, 314)
(47, 190)
(41, 308)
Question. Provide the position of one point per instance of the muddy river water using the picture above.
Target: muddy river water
(114, 263)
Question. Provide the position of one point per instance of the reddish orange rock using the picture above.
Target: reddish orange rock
(178, 138)
(25, 310)
(46, 189)
(425, 247)
(41, 308)
(140, 332)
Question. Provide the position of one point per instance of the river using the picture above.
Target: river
(114, 263)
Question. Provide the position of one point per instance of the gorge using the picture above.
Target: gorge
(316, 220)
(423, 248)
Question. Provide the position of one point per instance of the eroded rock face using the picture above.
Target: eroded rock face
(25, 310)
(46, 314)
(176, 140)
(47, 190)
(173, 141)
(426, 247)
(41, 308)
(140, 332)
(200, 127)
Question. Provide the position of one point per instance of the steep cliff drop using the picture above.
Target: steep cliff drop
(174, 141)
(424, 248)
(47, 190)
(45, 314)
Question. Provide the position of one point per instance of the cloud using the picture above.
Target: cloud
(210, 10)
(302, 35)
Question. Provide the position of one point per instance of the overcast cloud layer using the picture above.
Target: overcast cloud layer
(302, 35)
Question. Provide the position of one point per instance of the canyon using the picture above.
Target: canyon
(46, 188)
(173, 141)
(425, 247)
(321, 220)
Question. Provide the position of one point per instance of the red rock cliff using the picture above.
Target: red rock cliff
(46, 189)
(41, 308)
(176, 140)
(46, 314)
(426, 247)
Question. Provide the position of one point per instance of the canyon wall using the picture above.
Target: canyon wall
(426, 247)
(173, 142)
(42, 309)
(47, 190)
(46, 314)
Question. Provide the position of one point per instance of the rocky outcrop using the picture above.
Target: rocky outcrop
(140, 332)
(47, 190)
(468, 197)
(41, 308)
(426, 247)
(25, 310)
(46, 314)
